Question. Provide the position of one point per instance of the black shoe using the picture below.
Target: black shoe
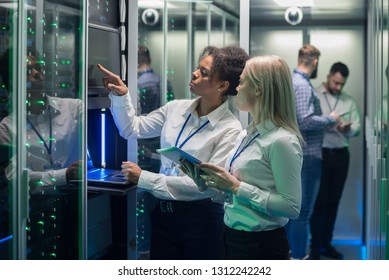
(331, 252)
(314, 254)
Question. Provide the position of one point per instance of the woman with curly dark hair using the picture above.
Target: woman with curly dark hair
(186, 223)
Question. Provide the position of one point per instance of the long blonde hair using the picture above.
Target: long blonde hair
(272, 79)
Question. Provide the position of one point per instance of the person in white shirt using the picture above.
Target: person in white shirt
(52, 135)
(262, 176)
(186, 223)
(336, 159)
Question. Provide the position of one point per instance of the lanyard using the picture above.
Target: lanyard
(48, 147)
(328, 103)
(190, 136)
(237, 152)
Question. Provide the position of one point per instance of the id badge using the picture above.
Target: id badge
(171, 171)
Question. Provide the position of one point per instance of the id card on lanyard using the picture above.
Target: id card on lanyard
(173, 170)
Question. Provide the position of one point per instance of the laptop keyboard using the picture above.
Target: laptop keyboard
(101, 173)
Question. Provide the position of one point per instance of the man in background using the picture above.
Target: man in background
(311, 123)
(149, 97)
(336, 158)
(52, 129)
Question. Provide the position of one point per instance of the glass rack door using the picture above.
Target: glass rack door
(43, 130)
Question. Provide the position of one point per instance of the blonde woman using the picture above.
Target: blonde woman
(262, 179)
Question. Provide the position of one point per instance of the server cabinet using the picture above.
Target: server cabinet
(42, 130)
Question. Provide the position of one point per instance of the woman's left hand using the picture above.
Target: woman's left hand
(132, 171)
(219, 178)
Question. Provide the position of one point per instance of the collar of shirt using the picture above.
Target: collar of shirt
(145, 71)
(262, 128)
(322, 89)
(54, 103)
(304, 75)
(213, 117)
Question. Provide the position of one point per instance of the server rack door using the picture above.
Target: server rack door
(43, 130)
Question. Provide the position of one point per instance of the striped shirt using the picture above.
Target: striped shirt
(309, 114)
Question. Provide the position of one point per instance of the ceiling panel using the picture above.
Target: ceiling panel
(321, 10)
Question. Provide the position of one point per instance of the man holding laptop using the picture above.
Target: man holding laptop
(335, 162)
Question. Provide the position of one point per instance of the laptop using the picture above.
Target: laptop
(105, 177)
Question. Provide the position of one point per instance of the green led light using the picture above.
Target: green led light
(51, 139)
(40, 183)
(53, 24)
(142, 211)
(41, 222)
(28, 228)
(53, 179)
(53, 217)
(53, 254)
(40, 142)
(42, 102)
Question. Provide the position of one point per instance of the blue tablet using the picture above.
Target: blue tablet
(175, 154)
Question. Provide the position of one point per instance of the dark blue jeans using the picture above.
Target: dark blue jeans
(298, 229)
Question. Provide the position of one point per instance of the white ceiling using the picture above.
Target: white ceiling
(322, 9)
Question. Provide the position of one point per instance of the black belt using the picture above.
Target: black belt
(174, 206)
(253, 234)
(335, 150)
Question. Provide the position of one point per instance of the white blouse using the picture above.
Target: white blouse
(270, 173)
(211, 144)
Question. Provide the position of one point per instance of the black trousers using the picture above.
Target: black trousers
(335, 166)
(248, 245)
(186, 230)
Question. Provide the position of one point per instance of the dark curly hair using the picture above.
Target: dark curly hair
(228, 64)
